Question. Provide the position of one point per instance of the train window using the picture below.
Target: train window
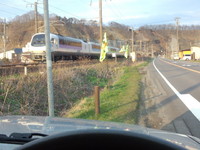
(73, 43)
(53, 41)
(112, 49)
(38, 40)
(63, 41)
(96, 47)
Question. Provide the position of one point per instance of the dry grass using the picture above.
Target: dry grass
(118, 102)
(27, 95)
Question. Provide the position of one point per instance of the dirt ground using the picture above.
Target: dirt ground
(149, 101)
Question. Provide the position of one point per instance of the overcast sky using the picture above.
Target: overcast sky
(130, 12)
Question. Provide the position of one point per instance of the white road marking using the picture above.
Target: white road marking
(191, 103)
(185, 65)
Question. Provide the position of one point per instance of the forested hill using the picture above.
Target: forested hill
(162, 37)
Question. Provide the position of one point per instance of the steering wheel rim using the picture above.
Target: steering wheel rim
(100, 139)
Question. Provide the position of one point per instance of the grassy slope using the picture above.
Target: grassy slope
(119, 102)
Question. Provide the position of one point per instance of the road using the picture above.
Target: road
(171, 97)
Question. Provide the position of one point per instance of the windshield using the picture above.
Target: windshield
(38, 40)
(135, 62)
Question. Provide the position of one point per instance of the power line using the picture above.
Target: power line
(6, 12)
(11, 12)
(64, 11)
(114, 12)
(118, 10)
(13, 7)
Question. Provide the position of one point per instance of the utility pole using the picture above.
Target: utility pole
(147, 47)
(141, 48)
(144, 50)
(177, 36)
(132, 38)
(132, 44)
(4, 37)
(48, 60)
(166, 51)
(140, 45)
(100, 21)
(36, 15)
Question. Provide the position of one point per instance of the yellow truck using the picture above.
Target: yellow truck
(185, 54)
(180, 53)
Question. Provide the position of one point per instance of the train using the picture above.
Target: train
(64, 48)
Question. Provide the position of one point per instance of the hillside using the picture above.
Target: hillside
(21, 28)
(160, 38)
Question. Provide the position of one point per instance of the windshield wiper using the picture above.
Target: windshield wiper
(20, 138)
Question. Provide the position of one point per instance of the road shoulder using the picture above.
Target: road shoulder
(158, 105)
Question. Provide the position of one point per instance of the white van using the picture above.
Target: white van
(186, 57)
(176, 57)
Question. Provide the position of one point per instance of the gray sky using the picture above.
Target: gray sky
(130, 12)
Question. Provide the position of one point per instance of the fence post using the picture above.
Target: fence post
(97, 100)
(25, 70)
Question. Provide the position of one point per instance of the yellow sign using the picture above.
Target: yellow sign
(126, 51)
(104, 48)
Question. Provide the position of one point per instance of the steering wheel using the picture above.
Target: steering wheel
(100, 139)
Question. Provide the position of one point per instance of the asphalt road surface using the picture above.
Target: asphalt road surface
(171, 98)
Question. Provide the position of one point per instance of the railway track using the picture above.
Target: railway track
(13, 69)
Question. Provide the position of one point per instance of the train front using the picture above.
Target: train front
(37, 47)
